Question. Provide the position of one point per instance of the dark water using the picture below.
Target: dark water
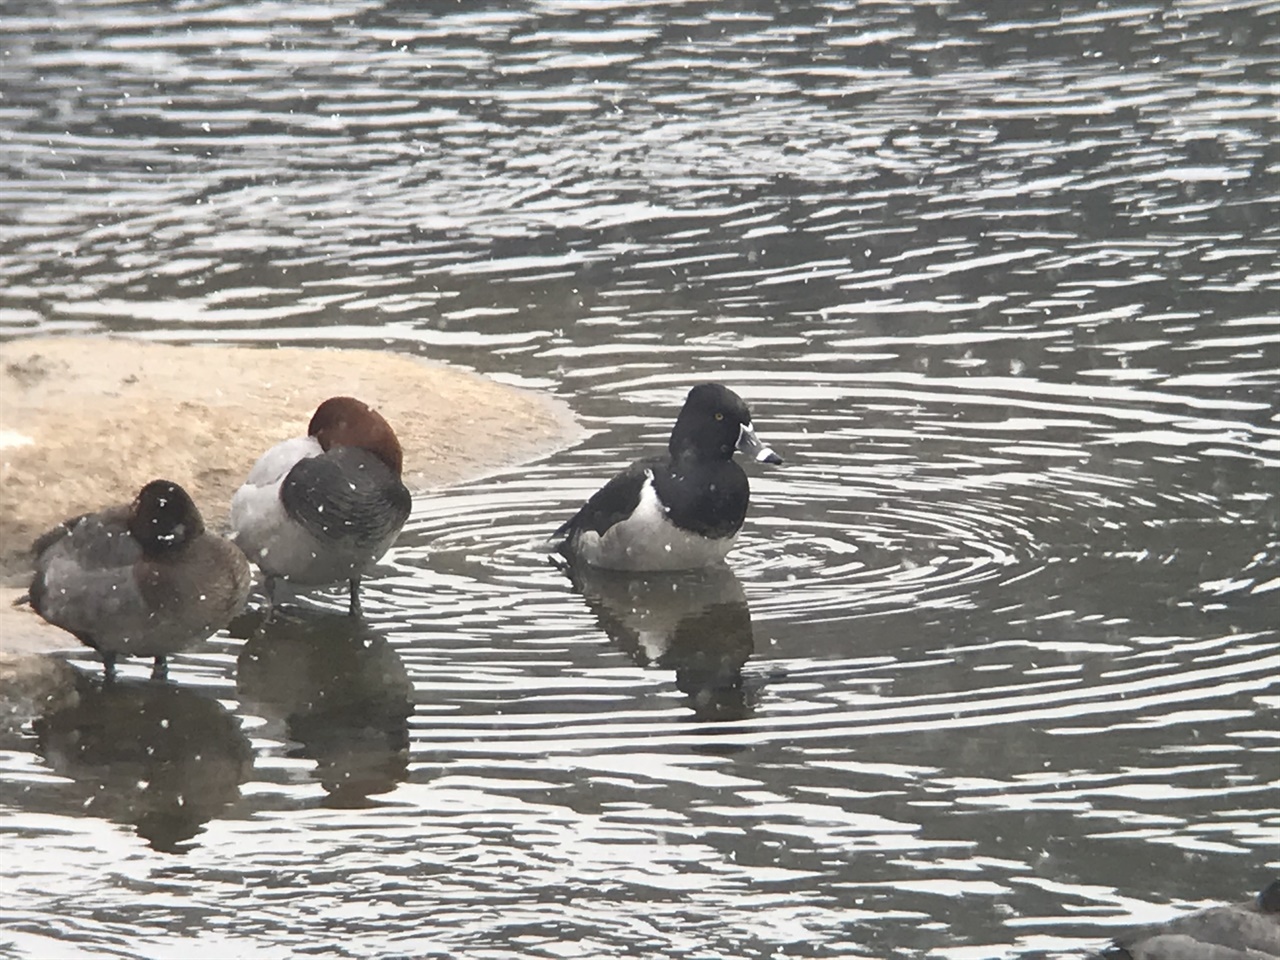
(998, 667)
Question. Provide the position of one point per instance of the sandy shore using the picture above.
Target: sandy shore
(86, 421)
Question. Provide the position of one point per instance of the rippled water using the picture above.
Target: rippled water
(997, 667)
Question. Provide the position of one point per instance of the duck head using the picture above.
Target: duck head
(347, 422)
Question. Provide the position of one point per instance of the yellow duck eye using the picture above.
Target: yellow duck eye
(719, 416)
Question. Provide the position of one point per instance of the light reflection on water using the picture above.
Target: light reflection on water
(996, 665)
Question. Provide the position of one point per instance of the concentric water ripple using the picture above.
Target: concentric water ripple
(857, 550)
(994, 666)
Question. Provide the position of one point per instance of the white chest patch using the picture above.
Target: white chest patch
(648, 540)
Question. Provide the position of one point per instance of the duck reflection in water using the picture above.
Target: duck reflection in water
(166, 759)
(343, 695)
(695, 622)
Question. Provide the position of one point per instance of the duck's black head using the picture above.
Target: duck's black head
(163, 518)
(715, 422)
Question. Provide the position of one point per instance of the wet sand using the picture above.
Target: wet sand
(86, 421)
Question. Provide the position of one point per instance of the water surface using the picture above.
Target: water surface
(996, 666)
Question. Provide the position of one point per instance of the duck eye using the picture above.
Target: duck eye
(719, 416)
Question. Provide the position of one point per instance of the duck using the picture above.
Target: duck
(1236, 931)
(324, 508)
(678, 511)
(142, 579)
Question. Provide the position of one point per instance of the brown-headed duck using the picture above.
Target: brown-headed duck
(324, 508)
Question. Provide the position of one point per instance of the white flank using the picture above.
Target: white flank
(648, 540)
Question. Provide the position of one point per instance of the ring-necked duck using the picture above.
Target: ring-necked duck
(679, 511)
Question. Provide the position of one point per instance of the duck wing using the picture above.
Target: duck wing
(93, 540)
(613, 502)
(85, 574)
(348, 495)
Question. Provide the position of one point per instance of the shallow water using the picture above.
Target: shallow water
(997, 666)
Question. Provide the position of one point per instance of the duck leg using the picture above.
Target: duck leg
(269, 592)
(160, 668)
(353, 609)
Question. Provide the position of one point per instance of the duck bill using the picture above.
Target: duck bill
(750, 445)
